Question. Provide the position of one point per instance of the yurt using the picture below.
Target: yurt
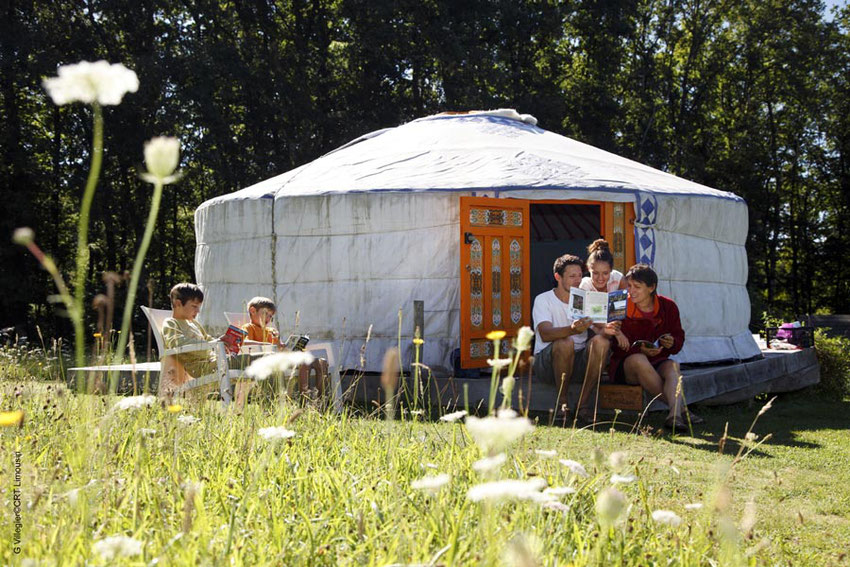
(466, 213)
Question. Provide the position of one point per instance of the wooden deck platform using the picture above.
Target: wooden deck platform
(777, 371)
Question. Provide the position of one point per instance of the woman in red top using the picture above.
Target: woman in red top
(651, 332)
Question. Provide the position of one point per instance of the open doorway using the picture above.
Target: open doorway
(558, 229)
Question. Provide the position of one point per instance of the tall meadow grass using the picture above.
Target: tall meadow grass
(198, 484)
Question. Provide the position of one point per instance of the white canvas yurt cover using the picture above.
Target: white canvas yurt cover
(438, 210)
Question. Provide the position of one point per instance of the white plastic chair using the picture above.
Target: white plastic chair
(222, 376)
(237, 319)
(326, 351)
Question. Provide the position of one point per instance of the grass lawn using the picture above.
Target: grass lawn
(339, 491)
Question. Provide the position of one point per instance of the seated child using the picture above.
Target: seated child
(181, 329)
(261, 311)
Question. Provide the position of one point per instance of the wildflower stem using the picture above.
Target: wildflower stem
(507, 393)
(494, 378)
(49, 265)
(83, 235)
(134, 281)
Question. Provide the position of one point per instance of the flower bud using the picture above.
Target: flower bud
(23, 236)
(523, 338)
(162, 155)
(610, 504)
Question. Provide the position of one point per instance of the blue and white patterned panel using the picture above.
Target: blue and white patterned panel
(647, 213)
(645, 245)
(647, 209)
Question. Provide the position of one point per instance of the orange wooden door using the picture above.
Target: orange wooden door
(494, 273)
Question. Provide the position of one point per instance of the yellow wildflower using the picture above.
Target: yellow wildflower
(97, 335)
(496, 335)
(418, 341)
(11, 418)
(174, 408)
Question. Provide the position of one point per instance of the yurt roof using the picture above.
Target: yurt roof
(499, 150)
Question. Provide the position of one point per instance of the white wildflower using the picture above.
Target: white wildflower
(610, 504)
(454, 416)
(507, 386)
(488, 464)
(666, 517)
(275, 433)
(162, 154)
(748, 519)
(751, 436)
(523, 550)
(557, 506)
(493, 434)
(498, 363)
(266, 366)
(622, 478)
(766, 406)
(23, 236)
(72, 496)
(523, 338)
(113, 547)
(546, 453)
(558, 491)
(145, 432)
(508, 490)
(188, 419)
(575, 467)
(431, 484)
(135, 402)
(694, 506)
(598, 457)
(91, 82)
(617, 459)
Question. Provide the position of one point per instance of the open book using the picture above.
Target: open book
(601, 307)
(296, 342)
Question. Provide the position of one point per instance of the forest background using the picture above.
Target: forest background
(748, 96)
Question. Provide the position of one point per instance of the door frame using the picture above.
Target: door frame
(622, 247)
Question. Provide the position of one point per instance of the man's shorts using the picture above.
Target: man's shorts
(543, 365)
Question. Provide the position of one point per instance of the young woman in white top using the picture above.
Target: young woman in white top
(600, 264)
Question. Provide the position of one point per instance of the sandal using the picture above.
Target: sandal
(694, 418)
(676, 423)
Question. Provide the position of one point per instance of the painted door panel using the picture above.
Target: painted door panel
(494, 273)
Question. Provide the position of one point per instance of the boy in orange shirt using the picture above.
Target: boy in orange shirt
(262, 310)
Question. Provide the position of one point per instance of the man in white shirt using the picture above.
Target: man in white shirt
(559, 351)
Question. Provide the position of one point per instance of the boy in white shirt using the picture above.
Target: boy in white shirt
(559, 351)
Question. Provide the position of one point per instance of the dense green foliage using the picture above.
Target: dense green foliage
(834, 360)
(749, 97)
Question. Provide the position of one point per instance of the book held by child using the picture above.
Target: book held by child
(297, 342)
(232, 338)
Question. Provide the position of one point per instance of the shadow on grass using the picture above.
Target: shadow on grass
(789, 416)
